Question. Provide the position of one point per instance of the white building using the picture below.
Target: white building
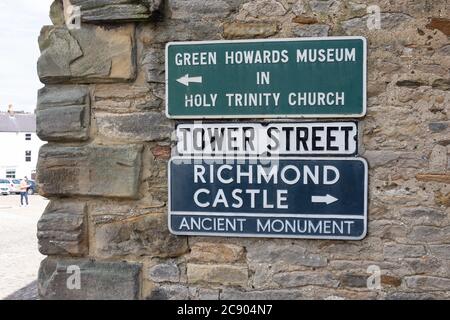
(19, 145)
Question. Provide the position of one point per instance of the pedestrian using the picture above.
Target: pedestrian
(24, 191)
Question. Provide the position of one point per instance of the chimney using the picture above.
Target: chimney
(11, 110)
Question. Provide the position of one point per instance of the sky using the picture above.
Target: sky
(20, 25)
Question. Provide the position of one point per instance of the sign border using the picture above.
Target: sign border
(268, 123)
(249, 235)
(269, 116)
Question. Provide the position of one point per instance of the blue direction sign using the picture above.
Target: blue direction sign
(312, 198)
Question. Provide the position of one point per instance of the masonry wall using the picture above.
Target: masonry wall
(105, 165)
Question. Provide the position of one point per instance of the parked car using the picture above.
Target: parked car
(5, 186)
(32, 189)
(14, 186)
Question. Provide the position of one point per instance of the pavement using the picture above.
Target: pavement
(19, 255)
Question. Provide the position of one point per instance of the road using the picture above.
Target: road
(19, 255)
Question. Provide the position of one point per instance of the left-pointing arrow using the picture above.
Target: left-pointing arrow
(328, 199)
(186, 80)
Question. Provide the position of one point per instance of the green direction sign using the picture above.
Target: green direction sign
(276, 78)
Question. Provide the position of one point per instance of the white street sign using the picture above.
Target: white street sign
(304, 138)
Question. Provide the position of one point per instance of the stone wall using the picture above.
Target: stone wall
(104, 168)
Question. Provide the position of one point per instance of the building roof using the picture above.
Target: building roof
(20, 122)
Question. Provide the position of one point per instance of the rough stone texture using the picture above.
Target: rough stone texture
(239, 30)
(264, 8)
(287, 254)
(285, 294)
(135, 127)
(441, 24)
(142, 235)
(169, 292)
(63, 113)
(187, 10)
(388, 20)
(166, 272)
(400, 251)
(99, 280)
(121, 98)
(299, 279)
(404, 136)
(91, 54)
(437, 126)
(438, 159)
(354, 280)
(311, 30)
(429, 234)
(92, 170)
(441, 84)
(324, 6)
(218, 274)
(27, 293)
(62, 229)
(57, 13)
(118, 10)
(435, 177)
(428, 283)
(215, 252)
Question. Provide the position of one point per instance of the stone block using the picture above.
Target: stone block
(305, 278)
(438, 159)
(62, 229)
(198, 9)
(325, 6)
(135, 127)
(57, 13)
(441, 24)
(441, 84)
(442, 199)
(434, 177)
(153, 64)
(94, 170)
(354, 280)
(165, 272)
(311, 30)
(441, 251)
(63, 113)
(380, 158)
(264, 8)
(263, 252)
(438, 126)
(226, 275)
(243, 30)
(145, 235)
(169, 292)
(123, 98)
(280, 294)
(428, 283)
(400, 251)
(92, 54)
(98, 280)
(179, 30)
(215, 252)
(429, 234)
(389, 21)
(95, 11)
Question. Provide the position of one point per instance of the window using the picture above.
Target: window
(27, 156)
(28, 136)
(11, 173)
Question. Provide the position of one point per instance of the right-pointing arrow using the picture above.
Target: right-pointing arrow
(328, 199)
